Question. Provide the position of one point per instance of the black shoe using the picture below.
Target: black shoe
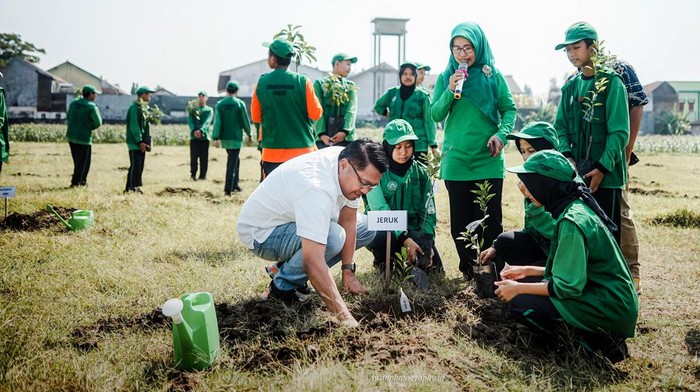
(134, 190)
(227, 193)
(202, 178)
(237, 189)
(193, 178)
(289, 297)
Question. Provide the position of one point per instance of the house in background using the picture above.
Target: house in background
(34, 94)
(80, 77)
(368, 93)
(668, 97)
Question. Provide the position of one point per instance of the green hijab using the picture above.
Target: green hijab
(479, 88)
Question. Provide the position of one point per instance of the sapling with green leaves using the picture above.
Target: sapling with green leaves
(474, 240)
(152, 115)
(302, 49)
(336, 91)
(599, 59)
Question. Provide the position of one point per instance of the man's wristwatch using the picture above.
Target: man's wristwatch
(350, 267)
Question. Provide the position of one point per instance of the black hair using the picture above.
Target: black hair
(363, 152)
(283, 61)
(588, 42)
(86, 94)
(538, 144)
(231, 90)
(412, 67)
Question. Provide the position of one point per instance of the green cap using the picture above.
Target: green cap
(548, 163)
(203, 93)
(576, 32)
(343, 56)
(143, 90)
(422, 66)
(537, 130)
(232, 85)
(397, 131)
(88, 88)
(409, 63)
(281, 47)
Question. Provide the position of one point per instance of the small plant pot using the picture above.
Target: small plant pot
(485, 279)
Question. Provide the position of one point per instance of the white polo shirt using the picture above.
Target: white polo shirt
(304, 190)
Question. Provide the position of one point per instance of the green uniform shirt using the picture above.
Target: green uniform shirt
(413, 192)
(83, 117)
(206, 116)
(592, 285)
(230, 119)
(540, 225)
(4, 129)
(415, 110)
(136, 126)
(466, 155)
(285, 119)
(602, 137)
(348, 110)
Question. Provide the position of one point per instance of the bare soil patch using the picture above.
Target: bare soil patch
(38, 220)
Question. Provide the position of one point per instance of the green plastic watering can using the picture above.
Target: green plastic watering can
(80, 220)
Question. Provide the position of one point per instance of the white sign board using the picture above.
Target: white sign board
(7, 191)
(387, 220)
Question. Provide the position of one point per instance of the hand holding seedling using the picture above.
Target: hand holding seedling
(487, 255)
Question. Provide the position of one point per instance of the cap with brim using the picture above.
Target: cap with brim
(281, 47)
(232, 85)
(88, 88)
(577, 32)
(548, 163)
(537, 130)
(422, 66)
(397, 131)
(203, 93)
(144, 89)
(343, 56)
(409, 64)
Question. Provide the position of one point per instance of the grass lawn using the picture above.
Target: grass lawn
(80, 310)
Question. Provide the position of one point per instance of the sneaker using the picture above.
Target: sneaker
(272, 269)
(193, 178)
(289, 297)
(304, 292)
(237, 189)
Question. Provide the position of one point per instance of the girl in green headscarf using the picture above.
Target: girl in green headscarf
(476, 126)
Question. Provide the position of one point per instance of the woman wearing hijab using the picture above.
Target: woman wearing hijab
(476, 126)
(531, 244)
(405, 186)
(586, 282)
(413, 105)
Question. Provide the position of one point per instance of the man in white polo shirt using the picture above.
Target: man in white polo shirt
(304, 215)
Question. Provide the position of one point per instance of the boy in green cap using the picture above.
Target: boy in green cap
(338, 97)
(4, 129)
(199, 120)
(285, 106)
(231, 120)
(592, 121)
(422, 70)
(586, 284)
(138, 138)
(83, 118)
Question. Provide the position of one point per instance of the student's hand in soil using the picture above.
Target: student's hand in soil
(352, 285)
(347, 320)
(487, 255)
(507, 289)
(596, 177)
(495, 146)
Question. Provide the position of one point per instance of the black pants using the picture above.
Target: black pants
(0, 165)
(81, 154)
(137, 160)
(518, 248)
(610, 201)
(320, 145)
(233, 164)
(463, 211)
(268, 167)
(199, 150)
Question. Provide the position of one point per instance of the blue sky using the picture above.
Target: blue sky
(183, 45)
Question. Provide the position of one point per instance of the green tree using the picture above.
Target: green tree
(12, 45)
(672, 123)
(302, 49)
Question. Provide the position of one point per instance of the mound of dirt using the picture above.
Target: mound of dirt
(175, 191)
(38, 220)
(650, 192)
(86, 338)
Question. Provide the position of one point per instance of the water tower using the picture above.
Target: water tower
(391, 27)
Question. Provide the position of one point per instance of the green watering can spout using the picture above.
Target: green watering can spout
(79, 220)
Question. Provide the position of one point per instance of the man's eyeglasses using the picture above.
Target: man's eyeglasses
(363, 184)
(462, 49)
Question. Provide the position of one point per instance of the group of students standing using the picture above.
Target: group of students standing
(565, 270)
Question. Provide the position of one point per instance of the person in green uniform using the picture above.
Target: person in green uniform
(586, 284)
(405, 186)
(531, 244)
(476, 126)
(4, 129)
(593, 122)
(285, 106)
(199, 120)
(337, 124)
(83, 118)
(413, 105)
(422, 70)
(231, 120)
(138, 138)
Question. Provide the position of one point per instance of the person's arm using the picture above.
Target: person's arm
(636, 114)
(507, 109)
(245, 121)
(618, 122)
(216, 132)
(540, 220)
(381, 107)
(315, 267)
(134, 124)
(255, 108)
(562, 126)
(207, 117)
(190, 122)
(442, 102)
(313, 106)
(347, 219)
(95, 118)
(428, 123)
(320, 125)
(349, 115)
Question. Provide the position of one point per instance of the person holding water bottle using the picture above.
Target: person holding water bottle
(477, 120)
